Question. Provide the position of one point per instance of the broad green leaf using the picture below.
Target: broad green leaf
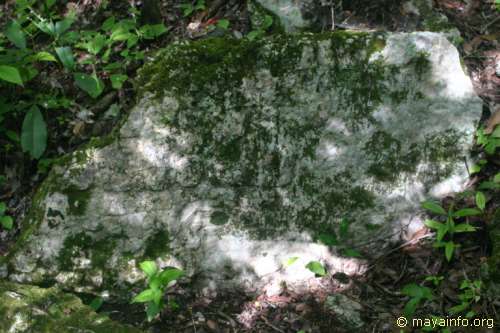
(108, 23)
(254, 34)
(464, 227)
(14, 32)
(44, 56)
(290, 261)
(487, 185)
(459, 308)
(10, 74)
(416, 291)
(316, 267)
(480, 200)
(117, 80)
(223, 24)
(152, 310)
(91, 84)
(7, 222)
(34, 133)
(3, 208)
(66, 56)
(449, 247)
(50, 3)
(268, 22)
(149, 268)
(433, 224)
(95, 45)
(170, 274)
(62, 26)
(475, 169)
(411, 306)
(145, 296)
(433, 207)
(467, 212)
(152, 31)
(96, 303)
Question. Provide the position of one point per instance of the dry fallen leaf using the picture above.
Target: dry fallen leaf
(493, 121)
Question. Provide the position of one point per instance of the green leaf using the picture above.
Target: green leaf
(62, 26)
(254, 34)
(44, 56)
(411, 307)
(459, 308)
(316, 267)
(416, 291)
(487, 185)
(66, 56)
(147, 295)
(3, 208)
(475, 169)
(10, 74)
(290, 261)
(149, 268)
(480, 200)
(268, 22)
(14, 32)
(467, 212)
(464, 227)
(7, 222)
(170, 274)
(433, 224)
(34, 133)
(496, 179)
(223, 24)
(449, 247)
(152, 310)
(152, 31)
(117, 80)
(108, 24)
(433, 207)
(96, 303)
(91, 84)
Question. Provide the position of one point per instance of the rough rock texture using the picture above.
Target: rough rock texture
(316, 15)
(25, 308)
(240, 155)
(345, 310)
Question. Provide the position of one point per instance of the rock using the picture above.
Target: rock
(240, 154)
(345, 310)
(25, 308)
(294, 15)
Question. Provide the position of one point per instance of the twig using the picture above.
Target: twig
(271, 325)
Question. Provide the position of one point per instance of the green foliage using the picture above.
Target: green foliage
(471, 293)
(96, 303)
(158, 282)
(34, 133)
(341, 242)
(489, 142)
(417, 294)
(261, 31)
(6, 221)
(39, 39)
(189, 8)
(316, 267)
(223, 24)
(290, 261)
(10, 74)
(450, 227)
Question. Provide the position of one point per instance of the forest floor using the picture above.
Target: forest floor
(379, 291)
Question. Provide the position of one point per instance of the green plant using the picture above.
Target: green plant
(471, 293)
(417, 294)
(6, 221)
(489, 142)
(341, 242)
(158, 282)
(261, 30)
(450, 227)
(189, 8)
(316, 267)
(435, 280)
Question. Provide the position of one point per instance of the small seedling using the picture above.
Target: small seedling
(158, 282)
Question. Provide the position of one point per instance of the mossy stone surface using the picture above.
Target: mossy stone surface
(239, 154)
(26, 308)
